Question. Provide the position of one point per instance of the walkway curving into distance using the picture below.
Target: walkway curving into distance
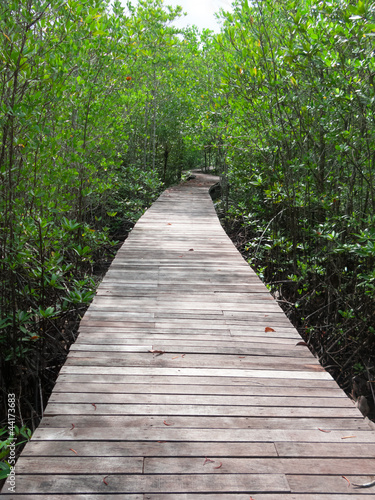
(187, 382)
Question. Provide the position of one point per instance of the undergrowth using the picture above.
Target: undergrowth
(319, 283)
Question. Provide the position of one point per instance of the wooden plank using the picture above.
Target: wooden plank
(328, 484)
(344, 449)
(147, 449)
(183, 287)
(205, 422)
(235, 435)
(75, 496)
(88, 349)
(227, 372)
(182, 380)
(233, 390)
(136, 338)
(115, 483)
(171, 306)
(86, 368)
(240, 333)
(317, 466)
(144, 329)
(117, 324)
(194, 496)
(108, 359)
(130, 294)
(80, 465)
(110, 348)
(199, 410)
(199, 399)
(259, 496)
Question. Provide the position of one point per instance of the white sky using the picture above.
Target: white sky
(200, 12)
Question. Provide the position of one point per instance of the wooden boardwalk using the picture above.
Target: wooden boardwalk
(187, 382)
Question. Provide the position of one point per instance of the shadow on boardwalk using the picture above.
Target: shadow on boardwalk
(187, 382)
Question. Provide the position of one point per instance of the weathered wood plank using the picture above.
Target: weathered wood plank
(140, 329)
(181, 287)
(243, 333)
(233, 390)
(205, 422)
(80, 465)
(169, 433)
(184, 341)
(197, 496)
(108, 359)
(344, 449)
(199, 399)
(160, 380)
(174, 465)
(147, 449)
(75, 496)
(172, 306)
(115, 483)
(227, 372)
(334, 484)
(204, 372)
(111, 349)
(200, 410)
(230, 496)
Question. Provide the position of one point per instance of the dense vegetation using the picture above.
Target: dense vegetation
(102, 106)
(297, 111)
(97, 114)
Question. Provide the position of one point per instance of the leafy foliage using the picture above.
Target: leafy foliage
(96, 112)
(299, 80)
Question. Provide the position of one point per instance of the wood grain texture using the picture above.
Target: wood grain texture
(186, 368)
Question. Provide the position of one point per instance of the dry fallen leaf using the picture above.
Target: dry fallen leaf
(317, 368)
(191, 250)
(301, 343)
(346, 479)
(269, 329)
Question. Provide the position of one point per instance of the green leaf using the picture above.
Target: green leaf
(4, 470)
